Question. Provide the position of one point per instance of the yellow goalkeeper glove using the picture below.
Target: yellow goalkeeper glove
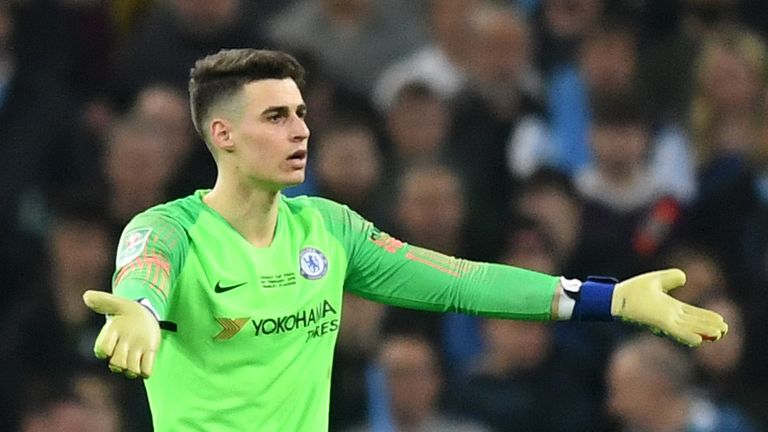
(643, 299)
(130, 337)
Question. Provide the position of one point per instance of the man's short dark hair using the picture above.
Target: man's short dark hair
(221, 75)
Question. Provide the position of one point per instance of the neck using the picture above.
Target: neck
(251, 211)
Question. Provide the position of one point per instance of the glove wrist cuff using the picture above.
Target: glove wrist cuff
(593, 299)
(148, 305)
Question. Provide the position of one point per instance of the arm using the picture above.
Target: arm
(150, 255)
(384, 269)
(387, 270)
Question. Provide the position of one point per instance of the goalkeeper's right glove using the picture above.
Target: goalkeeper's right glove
(131, 336)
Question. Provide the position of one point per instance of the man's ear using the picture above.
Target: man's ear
(221, 134)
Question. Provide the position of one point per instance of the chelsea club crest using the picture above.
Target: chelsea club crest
(312, 263)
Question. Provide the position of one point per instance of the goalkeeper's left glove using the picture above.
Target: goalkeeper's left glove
(643, 299)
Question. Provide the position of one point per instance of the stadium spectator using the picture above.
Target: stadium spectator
(47, 336)
(349, 167)
(417, 126)
(354, 40)
(431, 208)
(540, 388)
(727, 121)
(177, 32)
(609, 66)
(651, 389)
(627, 216)
(560, 27)
(414, 385)
(88, 406)
(549, 198)
(440, 62)
(36, 113)
(501, 95)
(168, 109)
(725, 373)
(138, 166)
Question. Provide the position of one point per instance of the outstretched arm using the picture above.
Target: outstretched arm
(385, 269)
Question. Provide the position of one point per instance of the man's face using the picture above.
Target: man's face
(418, 136)
(502, 51)
(633, 390)
(431, 206)
(619, 148)
(269, 135)
(413, 378)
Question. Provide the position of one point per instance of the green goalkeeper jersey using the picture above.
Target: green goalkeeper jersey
(248, 333)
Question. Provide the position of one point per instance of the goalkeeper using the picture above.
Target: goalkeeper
(228, 301)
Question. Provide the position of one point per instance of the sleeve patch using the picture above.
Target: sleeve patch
(132, 245)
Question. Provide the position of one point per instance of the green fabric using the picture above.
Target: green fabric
(257, 354)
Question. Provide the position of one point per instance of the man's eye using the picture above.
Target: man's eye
(274, 118)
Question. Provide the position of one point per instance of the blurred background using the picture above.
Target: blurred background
(573, 137)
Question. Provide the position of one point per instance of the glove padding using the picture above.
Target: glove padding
(644, 300)
(131, 336)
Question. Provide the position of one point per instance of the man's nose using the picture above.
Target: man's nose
(300, 129)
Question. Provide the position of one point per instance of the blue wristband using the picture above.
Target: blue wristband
(593, 300)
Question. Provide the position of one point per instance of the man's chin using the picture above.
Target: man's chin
(292, 182)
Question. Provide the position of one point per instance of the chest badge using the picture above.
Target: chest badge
(312, 263)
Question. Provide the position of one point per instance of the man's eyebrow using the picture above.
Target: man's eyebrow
(283, 109)
(275, 109)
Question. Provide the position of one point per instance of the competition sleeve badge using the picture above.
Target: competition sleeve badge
(312, 263)
(132, 245)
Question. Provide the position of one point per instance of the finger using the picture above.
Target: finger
(103, 302)
(115, 369)
(105, 342)
(703, 314)
(690, 339)
(133, 364)
(718, 326)
(147, 363)
(704, 329)
(677, 329)
(708, 324)
(670, 278)
(120, 356)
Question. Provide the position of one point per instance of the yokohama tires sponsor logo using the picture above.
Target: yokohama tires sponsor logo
(299, 320)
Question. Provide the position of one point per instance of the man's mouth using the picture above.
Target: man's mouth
(298, 155)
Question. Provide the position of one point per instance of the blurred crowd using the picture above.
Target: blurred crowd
(573, 137)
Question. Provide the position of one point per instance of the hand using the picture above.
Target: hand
(644, 300)
(131, 336)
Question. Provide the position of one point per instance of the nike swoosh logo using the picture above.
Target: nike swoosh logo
(220, 289)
